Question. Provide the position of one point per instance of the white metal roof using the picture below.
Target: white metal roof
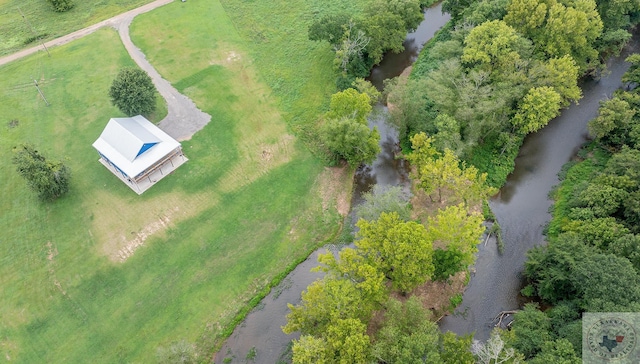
(123, 138)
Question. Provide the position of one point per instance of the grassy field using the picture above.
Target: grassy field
(17, 32)
(250, 201)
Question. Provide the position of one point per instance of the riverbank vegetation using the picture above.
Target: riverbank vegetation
(503, 69)
(27, 23)
(368, 307)
(592, 260)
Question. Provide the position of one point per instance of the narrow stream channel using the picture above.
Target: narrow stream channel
(522, 206)
(261, 330)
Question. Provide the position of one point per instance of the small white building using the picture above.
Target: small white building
(138, 152)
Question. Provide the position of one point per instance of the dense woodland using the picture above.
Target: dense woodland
(499, 70)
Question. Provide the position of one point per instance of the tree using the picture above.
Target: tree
(61, 6)
(387, 33)
(48, 179)
(349, 104)
(539, 106)
(323, 304)
(384, 199)
(310, 350)
(633, 73)
(440, 173)
(353, 267)
(330, 28)
(531, 329)
(133, 92)
(493, 44)
(407, 335)
(401, 250)
(558, 352)
(613, 123)
(458, 230)
(351, 140)
(562, 75)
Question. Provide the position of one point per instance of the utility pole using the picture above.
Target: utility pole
(40, 91)
(34, 33)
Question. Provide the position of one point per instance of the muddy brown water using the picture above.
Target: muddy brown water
(261, 332)
(522, 206)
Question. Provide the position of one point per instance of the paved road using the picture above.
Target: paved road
(183, 119)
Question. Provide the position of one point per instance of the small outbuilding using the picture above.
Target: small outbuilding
(138, 152)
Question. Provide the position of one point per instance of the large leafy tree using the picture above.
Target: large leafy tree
(457, 230)
(539, 106)
(400, 249)
(345, 131)
(345, 341)
(445, 172)
(407, 335)
(133, 92)
(351, 140)
(531, 329)
(49, 179)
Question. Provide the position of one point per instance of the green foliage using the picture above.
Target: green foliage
(633, 73)
(558, 352)
(133, 92)
(538, 107)
(455, 350)
(436, 172)
(384, 199)
(349, 104)
(48, 179)
(351, 140)
(366, 87)
(310, 350)
(366, 278)
(561, 74)
(61, 6)
(447, 263)
(401, 250)
(329, 28)
(458, 230)
(409, 113)
(323, 304)
(493, 43)
(567, 269)
(613, 123)
(531, 330)
(407, 335)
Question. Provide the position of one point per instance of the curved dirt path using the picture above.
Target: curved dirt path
(183, 119)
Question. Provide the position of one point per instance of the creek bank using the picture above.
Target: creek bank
(260, 333)
(522, 206)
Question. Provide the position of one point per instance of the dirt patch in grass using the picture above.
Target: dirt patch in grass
(52, 251)
(120, 230)
(331, 186)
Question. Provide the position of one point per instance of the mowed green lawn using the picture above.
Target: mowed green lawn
(251, 200)
(41, 21)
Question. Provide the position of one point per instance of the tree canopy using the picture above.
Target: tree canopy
(133, 92)
(49, 179)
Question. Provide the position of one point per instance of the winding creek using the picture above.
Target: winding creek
(261, 329)
(521, 208)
